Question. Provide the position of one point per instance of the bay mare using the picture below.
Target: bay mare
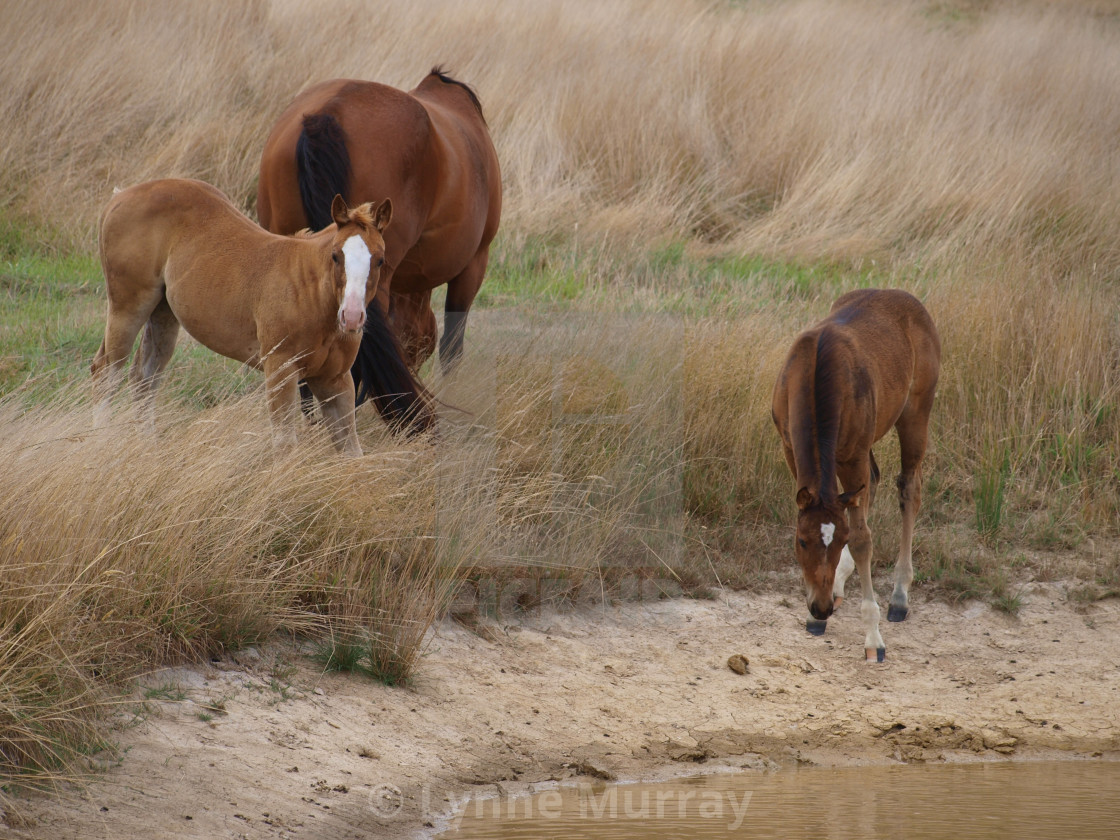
(176, 253)
(429, 150)
(872, 364)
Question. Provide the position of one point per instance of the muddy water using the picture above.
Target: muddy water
(1022, 800)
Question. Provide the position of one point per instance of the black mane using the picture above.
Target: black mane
(439, 72)
(827, 411)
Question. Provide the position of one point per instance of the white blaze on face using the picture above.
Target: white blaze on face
(827, 530)
(356, 258)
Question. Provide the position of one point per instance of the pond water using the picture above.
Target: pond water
(1021, 800)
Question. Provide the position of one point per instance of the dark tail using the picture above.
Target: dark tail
(381, 375)
(323, 167)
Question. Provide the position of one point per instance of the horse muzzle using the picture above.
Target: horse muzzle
(818, 612)
(351, 322)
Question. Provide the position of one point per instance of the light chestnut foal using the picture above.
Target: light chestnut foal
(871, 364)
(177, 253)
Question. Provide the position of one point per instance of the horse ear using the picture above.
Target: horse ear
(804, 498)
(850, 500)
(383, 215)
(339, 211)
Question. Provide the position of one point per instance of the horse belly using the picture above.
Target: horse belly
(219, 325)
(439, 256)
(462, 219)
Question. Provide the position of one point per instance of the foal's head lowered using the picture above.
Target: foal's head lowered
(822, 532)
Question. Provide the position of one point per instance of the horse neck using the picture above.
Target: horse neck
(313, 256)
(815, 417)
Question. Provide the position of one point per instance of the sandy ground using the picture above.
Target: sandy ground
(263, 745)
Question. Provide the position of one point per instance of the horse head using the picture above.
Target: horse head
(822, 533)
(357, 257)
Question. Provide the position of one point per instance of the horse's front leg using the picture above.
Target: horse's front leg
(844, 571)
(281, 382)
(859, 544)
(874, 648)
(336, 399)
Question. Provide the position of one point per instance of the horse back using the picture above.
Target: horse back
(141, 224)
(890, 327)
(462, 138)
(874, 356)
(892, 349)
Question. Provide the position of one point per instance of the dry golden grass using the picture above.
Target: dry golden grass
(852, 131)
(125, 551)
(965, 151)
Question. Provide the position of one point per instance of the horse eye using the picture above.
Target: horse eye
(380, 263)
(334, 257)
(802, 543)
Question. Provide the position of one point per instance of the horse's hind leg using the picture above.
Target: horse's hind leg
(107, 377)
(156, 347)
(461, 292)
(912, 435)
(121, 328)
(415, 324)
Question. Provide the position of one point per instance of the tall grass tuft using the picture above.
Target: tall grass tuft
(990, 492)
(124, 552)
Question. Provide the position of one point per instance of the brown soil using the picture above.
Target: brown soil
(266, 746)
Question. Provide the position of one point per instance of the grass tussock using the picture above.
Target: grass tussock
(125, 550)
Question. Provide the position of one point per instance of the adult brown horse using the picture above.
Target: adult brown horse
(871, 364)
(429, 151)
(177, 253)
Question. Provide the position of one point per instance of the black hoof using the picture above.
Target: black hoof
(881, 655)
(815, 626)
(897, 613)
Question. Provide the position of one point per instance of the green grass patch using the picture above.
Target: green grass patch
(167, 692)
(51, 319)
(990, 492)
(670, 278)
